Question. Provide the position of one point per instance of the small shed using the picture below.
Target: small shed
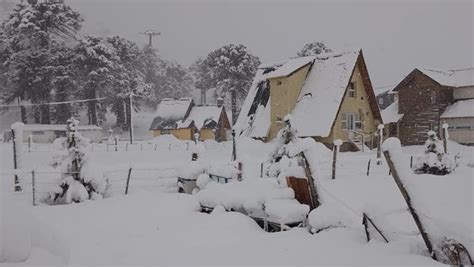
(47, 133)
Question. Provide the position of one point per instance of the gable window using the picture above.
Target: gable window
(352, 89)
(380, 101)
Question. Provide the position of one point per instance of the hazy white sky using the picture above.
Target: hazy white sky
(396, 36)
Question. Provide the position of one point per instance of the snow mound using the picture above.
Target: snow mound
(328, 215)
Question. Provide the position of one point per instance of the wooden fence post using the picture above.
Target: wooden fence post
(379, 144)
(128, 180)
(261, 170)
(33, 186)
(368, 168)
(312, 187)
(411, 162)
(16, 180)
(239, 174)
(407, 198)
(366, 221)
(30, 137)
(116, 143)
(156, 145)
(337, 144)
(445, 137)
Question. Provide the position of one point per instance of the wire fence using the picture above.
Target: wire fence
(41, 185)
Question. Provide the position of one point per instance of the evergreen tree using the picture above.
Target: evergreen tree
(80, 180)
(31, 31)
(228, 69)
(434, 160)
(129, 78)
(315, 48)
(96, 63)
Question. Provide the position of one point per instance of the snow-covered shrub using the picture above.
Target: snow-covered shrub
(434, 160)
(81, 178)
(328, 216)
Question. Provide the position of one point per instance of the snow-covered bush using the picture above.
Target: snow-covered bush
(434, 160)
(81, 178)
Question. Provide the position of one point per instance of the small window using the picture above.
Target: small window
(165, 131)
(352, 89)
(433, 97)
(380, 101)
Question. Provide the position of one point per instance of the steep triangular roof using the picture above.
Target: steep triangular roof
(319, 100)
(203, 117)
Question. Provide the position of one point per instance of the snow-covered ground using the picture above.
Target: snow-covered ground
(153, 225)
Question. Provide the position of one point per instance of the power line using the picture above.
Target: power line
(150, 34)
(53, 103)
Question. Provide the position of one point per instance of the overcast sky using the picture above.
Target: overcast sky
(396, 36)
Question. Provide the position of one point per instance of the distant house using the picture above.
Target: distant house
(47, 133)
(425, 99)
(329, 96)
(385, 99)
(182, 118)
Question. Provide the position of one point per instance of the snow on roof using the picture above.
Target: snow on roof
(390, 113)
(246, 124)
(322, 93)
(170, 109)
(201, 115)
(460, 109)
(454, 78)
(58, 127)
(290, 66)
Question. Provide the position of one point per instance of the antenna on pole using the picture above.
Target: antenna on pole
(150, 34)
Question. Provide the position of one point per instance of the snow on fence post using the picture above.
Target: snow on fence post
(445, 137)
(392, 145)
(128, 180)
(17, 140)
(368, 168)
(379, 147)
(33, 187)
(337, 144)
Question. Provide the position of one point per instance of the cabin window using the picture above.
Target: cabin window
(352, 89)
(433, 97)
(165, 131)
(352, 121)
(380, 101)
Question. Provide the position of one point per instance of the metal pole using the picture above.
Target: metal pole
(128, 180)
(334, 159)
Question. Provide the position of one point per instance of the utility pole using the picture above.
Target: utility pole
(131, 117)
(150, 34)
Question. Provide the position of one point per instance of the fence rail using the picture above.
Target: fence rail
(41, 184)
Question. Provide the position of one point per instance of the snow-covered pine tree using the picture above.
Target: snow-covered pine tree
(97, 63)
(129, 78)
(80, 179)
(228, 68)
(434, 160)
(315, 48)
(30, 32)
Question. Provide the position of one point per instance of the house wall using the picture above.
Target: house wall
(359, 104)
(461, 130)
(206, 134)
(183, 134)
(463, 92)
(283, 98)
(421, 114)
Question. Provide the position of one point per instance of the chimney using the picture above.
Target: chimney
(220, 102)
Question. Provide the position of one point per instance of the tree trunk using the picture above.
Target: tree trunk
(45, 114)
(92, 110)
